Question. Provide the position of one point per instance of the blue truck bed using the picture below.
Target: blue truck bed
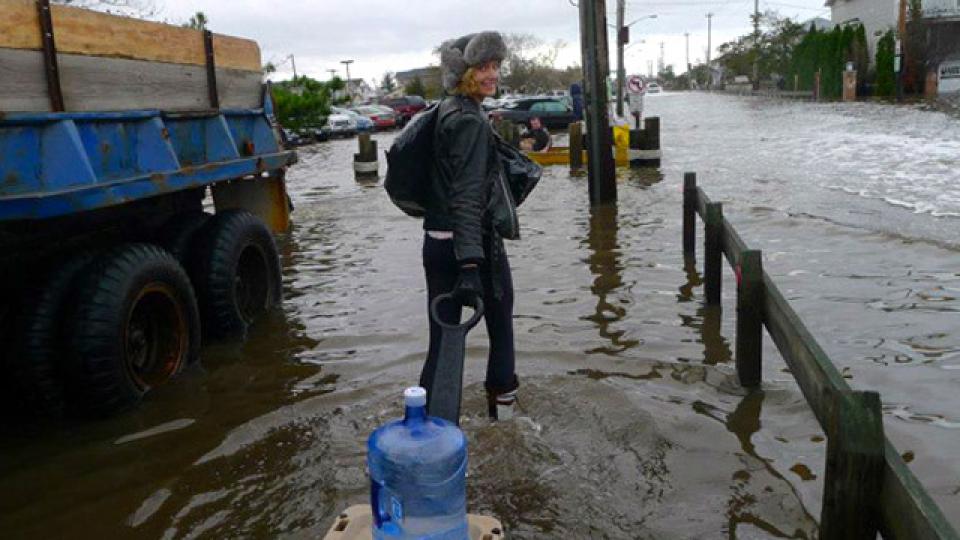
(56, 164)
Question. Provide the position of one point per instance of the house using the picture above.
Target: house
(360, 91)
(429, 76)
(941, 20)
(876, 16)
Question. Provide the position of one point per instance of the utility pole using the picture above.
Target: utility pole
(601, 174)
(661, 64)
(621, 30)
(347, 63)
(709, 46)
(756, 44)
(332, 72)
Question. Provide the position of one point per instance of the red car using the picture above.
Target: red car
(406, 107)
(382, 117)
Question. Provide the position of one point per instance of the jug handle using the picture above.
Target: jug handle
(379, 516)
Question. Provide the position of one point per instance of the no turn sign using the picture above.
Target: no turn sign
(635, 84)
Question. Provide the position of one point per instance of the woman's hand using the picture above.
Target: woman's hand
(469, 287)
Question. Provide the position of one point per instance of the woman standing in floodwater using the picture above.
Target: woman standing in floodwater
(462, 251)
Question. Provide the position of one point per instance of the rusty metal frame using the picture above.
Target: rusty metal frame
(211, 70)
(50, 64)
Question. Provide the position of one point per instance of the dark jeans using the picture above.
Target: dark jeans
(441, 269)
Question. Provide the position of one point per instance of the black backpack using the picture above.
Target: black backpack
(410, 158)
(408, 163)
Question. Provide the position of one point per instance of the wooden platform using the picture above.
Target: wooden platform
(109, 62)
(355, 522)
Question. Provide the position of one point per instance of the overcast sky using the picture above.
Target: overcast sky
(395, 35)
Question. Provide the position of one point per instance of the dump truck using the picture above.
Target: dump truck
(141, 185)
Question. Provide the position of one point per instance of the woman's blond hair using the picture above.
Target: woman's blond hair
(468, 85)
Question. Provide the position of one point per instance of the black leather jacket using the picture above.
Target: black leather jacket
(462, 173)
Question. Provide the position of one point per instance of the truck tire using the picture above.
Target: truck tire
(36, 365)
(236, 272)
(135, 326)
(179, 232)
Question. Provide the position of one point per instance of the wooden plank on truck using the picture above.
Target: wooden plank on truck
(108, 62)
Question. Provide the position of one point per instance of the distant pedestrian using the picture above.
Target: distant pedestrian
(576, 97)
(462, 250)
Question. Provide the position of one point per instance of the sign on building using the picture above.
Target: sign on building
(949, 77)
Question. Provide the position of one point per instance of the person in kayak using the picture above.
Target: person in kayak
(462, 251)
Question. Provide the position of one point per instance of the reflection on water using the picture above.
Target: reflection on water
(605, 265)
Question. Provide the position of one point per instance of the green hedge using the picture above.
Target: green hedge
(829, 52)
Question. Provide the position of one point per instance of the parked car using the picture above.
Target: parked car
(340, 125)
(406, 107)
(553, 112)
(382, 117)
(490, 104)
(363, 123)
(290, 138)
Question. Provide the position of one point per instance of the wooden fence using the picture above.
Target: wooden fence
(867, 486)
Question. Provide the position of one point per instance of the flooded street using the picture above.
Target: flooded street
(633, 425)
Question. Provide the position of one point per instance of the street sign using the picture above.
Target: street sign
(635, 84)
(636, 103)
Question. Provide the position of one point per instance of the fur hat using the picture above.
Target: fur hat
(456, 55)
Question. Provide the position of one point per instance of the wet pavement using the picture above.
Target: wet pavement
(632, 424)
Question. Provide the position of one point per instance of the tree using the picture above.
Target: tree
(303, 102)
(886, 86)
(527, 70)
(415, 88)
(198, 21)
(388, 84)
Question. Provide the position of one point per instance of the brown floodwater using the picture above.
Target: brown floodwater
(632, 424)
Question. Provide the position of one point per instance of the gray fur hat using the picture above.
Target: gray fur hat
(456, 55)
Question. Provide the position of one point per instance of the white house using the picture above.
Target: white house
(876, 16)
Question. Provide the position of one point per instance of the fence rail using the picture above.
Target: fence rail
(868, 488)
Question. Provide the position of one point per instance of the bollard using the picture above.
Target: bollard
(713, 253)
(855, 467)
(749, 348)
(575, 130)
(690, 214)
(645, 145)
(365, 163)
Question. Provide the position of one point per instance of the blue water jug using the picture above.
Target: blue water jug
(418, 471)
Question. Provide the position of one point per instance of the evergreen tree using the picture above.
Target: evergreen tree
(388, 84)
(886, 83)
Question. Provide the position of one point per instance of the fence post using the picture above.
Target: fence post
(713, 254)
(854, 471)
(749, 348)
(690, 214)
(575, 129)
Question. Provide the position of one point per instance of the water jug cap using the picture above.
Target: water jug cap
(415, 396)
